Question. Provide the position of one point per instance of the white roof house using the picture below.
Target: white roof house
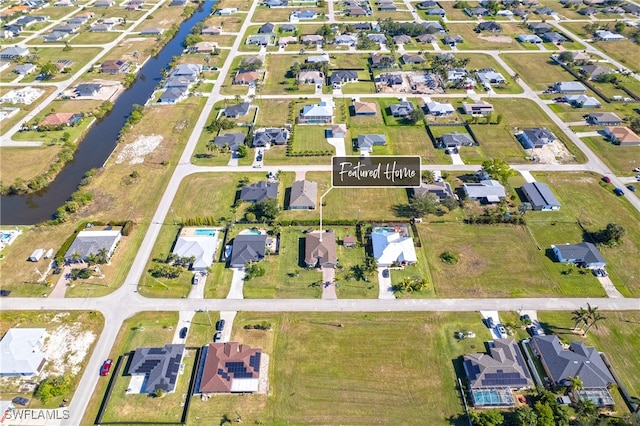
(21, 352)
(201, 243)
(390, 247)
(436, 108)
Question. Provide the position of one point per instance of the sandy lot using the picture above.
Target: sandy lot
(134, 152)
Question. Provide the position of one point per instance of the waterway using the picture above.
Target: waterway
(101, 138)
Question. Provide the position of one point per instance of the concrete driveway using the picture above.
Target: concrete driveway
(228, 317)
(237, 284)
(608, 286)
(329, 290)
(384, 287)
(496, 321)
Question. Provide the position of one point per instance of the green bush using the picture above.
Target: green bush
(51, 387)
(449, 258)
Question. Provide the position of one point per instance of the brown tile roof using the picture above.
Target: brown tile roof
(624, 135)
(247, 76)
(364, 107)
(320, 251)
(349, 240)
(56, 119)
(223, 361)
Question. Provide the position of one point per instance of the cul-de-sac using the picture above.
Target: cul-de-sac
(323, 212)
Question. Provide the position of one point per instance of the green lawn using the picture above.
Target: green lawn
(321, 373)
(620, 159)
(79, 55)
(310, 138)
(272, 112)
(497, 261)
(537, 70)
(585, 196)
(480, 61)
(279, 81)
(505, 40)
(95, 38)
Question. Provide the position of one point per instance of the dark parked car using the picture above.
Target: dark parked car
(183, 332)
(525, 317)
(631, 188)
(106, 367)
(490, 322)
(19, 400)
(217, 337)
(606, 179)
(618, 191)
(220, 325)
(385, 273)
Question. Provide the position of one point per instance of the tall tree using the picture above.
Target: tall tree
(579, 316)
(575, 383)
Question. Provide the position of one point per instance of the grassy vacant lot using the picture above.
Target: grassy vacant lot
(537, 70)
(618, 336)
(584, 196)
(480, 61)
(310, 138)
(124, 50)
(272, 112)
(356, 382)
(50, 320)
(52, 137)
(229, 23)
(265, 14)
(142, 330)
(79, 55)
(25, 163)
(621, 159)
(497, 261)
(279, 80)
(486, 40)
(95, 38)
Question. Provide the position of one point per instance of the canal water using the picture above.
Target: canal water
(101, 138)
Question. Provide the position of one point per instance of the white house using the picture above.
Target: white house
(21, 352)
(389, 247)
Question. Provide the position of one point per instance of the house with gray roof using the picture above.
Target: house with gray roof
(554, 37)
(402, 109)
(320, 249)
(502, 367)
(13, 52)
(455, 140)
(230, 140)
(583, 254)
(486, 191)
(410, 59)
(21, 352)
(238, 110)
(173, 95)
(377, 38)
(441, 189)
(582, 101)
(439, 109)
(159, 366)
(594, 71)
(540, 196)
(90, 242)
(579, 360)
(24, 69)
(259, 191)
(367, 142)
(536, 137)
(303, 195)
(603, 119)
(247, 248)
(54, 36)
(340, 77)
(490, 76)
(271, 136)
(529, 38)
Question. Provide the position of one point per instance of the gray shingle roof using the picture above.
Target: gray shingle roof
(539, 194)
(237, 110)
(160, 365)
(583, 252)
(247, 248)
(232, 140)
(303, 194)
(259, 191)
(503, 366)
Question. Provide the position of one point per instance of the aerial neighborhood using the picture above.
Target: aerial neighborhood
(319, 212)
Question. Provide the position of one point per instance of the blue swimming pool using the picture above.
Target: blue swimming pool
(251, 232)
(207, 232)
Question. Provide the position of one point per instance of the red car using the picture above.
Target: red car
(606, 179)
(106, 367)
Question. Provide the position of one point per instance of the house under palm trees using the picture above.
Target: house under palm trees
(91, 243)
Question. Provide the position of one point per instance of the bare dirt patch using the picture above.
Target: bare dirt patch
(66, 347)
(552, 153)
(134, 152)
(497, 39)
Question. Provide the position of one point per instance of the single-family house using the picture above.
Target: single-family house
(594, 71)
(536, 137)
(478, 108)
(502, 367)
(178, 3)
(266, 28)
(588, 11)
(304, 15)
(153, 31)
(571, 87)
(504, 12)
(540, 196)
(622, 136)
(226, 11)
(402, 109)
(603, 119)
(261, 39)
(230, 140)
(24, 69)
(60, 119)
(318, 59)
(247, 248)
(231, 367)
(90, 243)
(390, 248)
(605, 35)
(320, 249)
(401, 39)
(14, 52)
(476, 11)
(311, 77)
(101, 28)
(237, 110)
(490, 26)
(561, 364)
(312, 39)
(247, 77)
(389, 79)
(433, 27)
(21, 350)
(377, 38)
(338, 131)
(544, 10)
(114, 66)
(104, 3)
(87, 89)
(7, 33)
(438, 109)
(364, 108)
(441, 189)
(340, 77)
(204, 47)
(54, 36)
(367, 142)
(486, 191)
(452, 40)
(410, 59)
(490, 76)
(455, 140)
(582, 101)
(211, 30)
(288, 28)
(160, 367)
(303, 195)
(554, 37)
(346, 40)
(357, 11)
(529, 38)
(583, 254)
(259, 191)
(427, 38)
(539, 27)
(200, 243)
(632, 9)
(379, 61)
(283, 41)
(270, 136)
(321, 113)
(277, 3)
(437, 11)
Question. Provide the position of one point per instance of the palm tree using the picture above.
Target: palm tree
(575, 383)
(595, 317)
(579, 316)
